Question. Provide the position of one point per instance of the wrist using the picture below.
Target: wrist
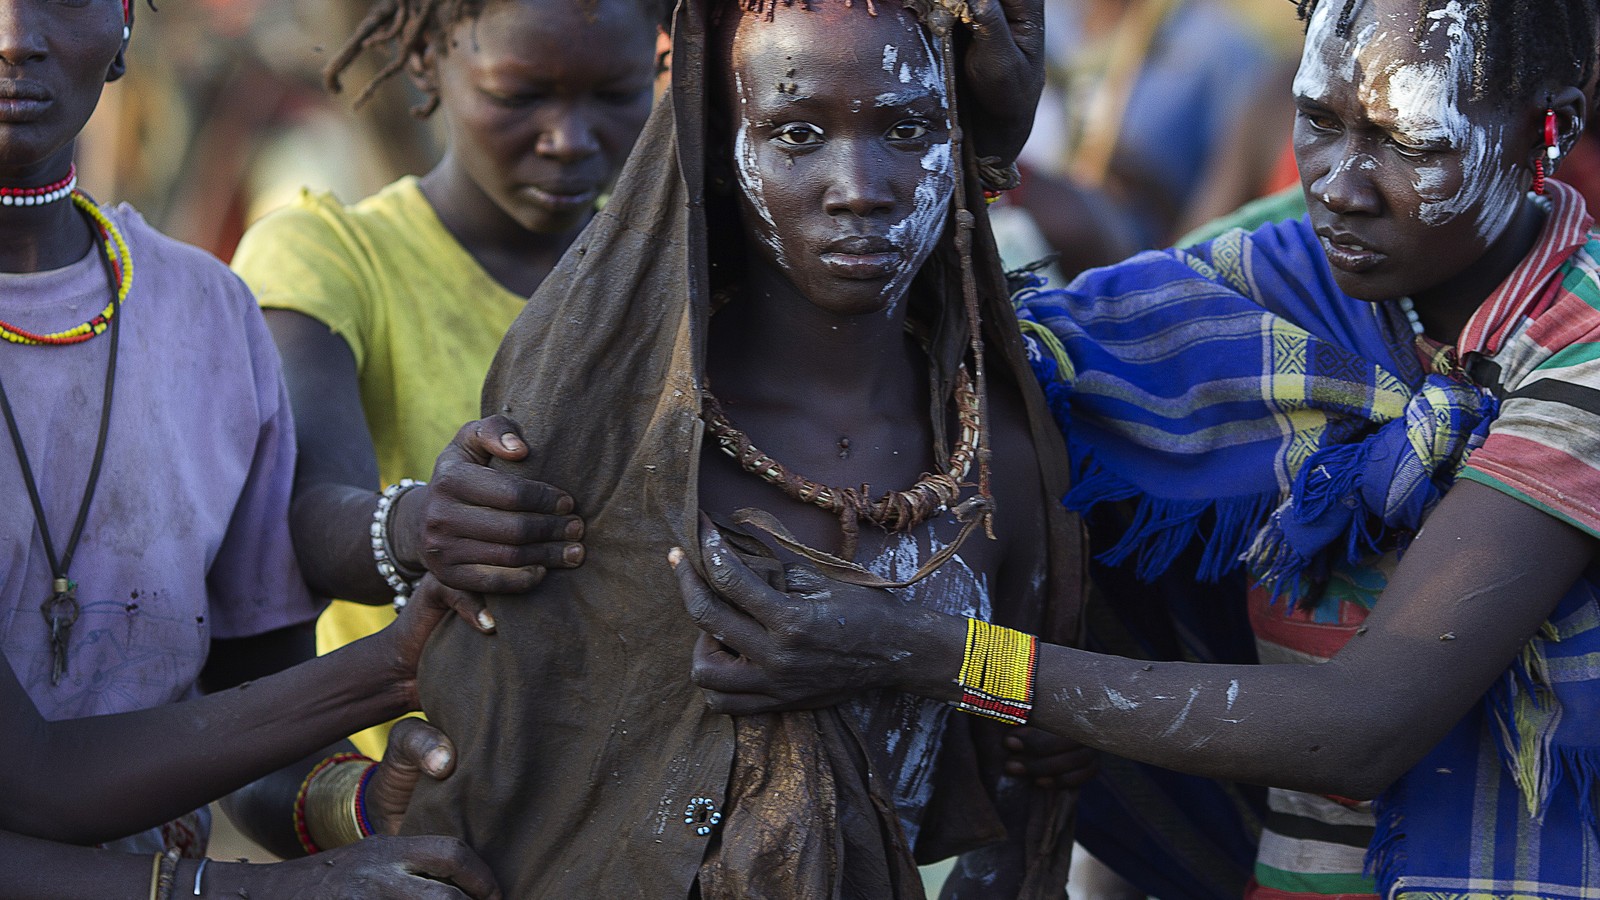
(935, 642)
(406, 529)
(329, 810)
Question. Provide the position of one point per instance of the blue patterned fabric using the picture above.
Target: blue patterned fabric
(1243, 405)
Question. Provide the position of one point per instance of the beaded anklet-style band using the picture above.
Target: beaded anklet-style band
(330, 809)
(389, 566)
(997, 670)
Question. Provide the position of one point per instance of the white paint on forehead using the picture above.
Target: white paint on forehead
(748, 173)
(1425, 98)
(891, 54)
(1315, 76)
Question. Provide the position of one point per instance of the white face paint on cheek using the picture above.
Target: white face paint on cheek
(747, 172)
(919, 231)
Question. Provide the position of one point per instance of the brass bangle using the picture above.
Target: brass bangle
(332, 817)
(155, 876)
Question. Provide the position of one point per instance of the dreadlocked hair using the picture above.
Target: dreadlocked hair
(1526, 46)
(401, 28)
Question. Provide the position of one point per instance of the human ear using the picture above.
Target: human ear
(1572, 112)
(119, 63)
(1571, 107)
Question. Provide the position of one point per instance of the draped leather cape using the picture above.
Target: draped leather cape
(588, 764)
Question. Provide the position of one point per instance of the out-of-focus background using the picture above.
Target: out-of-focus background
(1159, 114)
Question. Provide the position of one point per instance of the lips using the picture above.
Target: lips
(1349, 253)
(562, 198)
(862, 257)
(22, 101)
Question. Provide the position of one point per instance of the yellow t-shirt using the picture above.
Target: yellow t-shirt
(421, 316)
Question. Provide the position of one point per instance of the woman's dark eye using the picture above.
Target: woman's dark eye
(1410, 151)
(799, 134)
(909, 130)
(1319, 121)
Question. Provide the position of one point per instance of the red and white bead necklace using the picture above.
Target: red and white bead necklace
(39, 196)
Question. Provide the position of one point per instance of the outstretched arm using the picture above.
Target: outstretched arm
(99, 778)
(1473, 588)
(375, 869)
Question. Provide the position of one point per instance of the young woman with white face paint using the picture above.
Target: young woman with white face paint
(1303, 396)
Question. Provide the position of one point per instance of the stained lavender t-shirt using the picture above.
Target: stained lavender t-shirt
(187, 539)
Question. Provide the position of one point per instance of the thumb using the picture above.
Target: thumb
(415, 749)
(501, 436)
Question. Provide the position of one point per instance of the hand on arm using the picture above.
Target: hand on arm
(478, 528)
(1473, 588)
(764, 650)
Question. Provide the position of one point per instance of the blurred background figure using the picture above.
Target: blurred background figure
(1158, 115)
(228, 119)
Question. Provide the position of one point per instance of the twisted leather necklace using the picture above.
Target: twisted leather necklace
(895, 510)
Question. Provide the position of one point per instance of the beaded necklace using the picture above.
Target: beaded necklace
(39, 196)
(895, 510)
(121, 262)
(61, 609)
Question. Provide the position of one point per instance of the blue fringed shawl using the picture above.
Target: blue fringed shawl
(1237, 398)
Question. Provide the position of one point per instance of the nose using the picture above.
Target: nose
(568, 136)
(21, 40)
(1347, 187)
(859, 186)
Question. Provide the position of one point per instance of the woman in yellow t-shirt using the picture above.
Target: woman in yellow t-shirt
(388, 312)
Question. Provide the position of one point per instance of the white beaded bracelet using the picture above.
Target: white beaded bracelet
(389, 566)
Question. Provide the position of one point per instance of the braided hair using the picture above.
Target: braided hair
(405, 27)
(1528, 46)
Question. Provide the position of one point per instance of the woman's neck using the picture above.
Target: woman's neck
(1445, 310)
(769, 343)
(41, 238)
(517, 258)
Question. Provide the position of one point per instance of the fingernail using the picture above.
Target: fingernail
(485, 621)
(438, 759)
(675, 556)
(1015, 768)
(573, 554)
(574, 530)
(563, 506)
(512, 442)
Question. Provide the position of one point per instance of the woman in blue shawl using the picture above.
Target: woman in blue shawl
(1423, 349)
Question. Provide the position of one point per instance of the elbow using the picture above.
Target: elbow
(1361, 763)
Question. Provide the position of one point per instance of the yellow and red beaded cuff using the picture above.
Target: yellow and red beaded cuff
(997, 670)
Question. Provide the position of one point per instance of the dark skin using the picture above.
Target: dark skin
(55, 59)
(135, 770)
(810, 358)
(1483, 575)
(537, 127)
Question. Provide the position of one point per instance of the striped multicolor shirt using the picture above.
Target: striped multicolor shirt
(1536, 344)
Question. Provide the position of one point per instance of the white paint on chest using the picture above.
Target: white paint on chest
(904, 733)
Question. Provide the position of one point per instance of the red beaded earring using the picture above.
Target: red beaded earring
(1552, 149)
(127, 19)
